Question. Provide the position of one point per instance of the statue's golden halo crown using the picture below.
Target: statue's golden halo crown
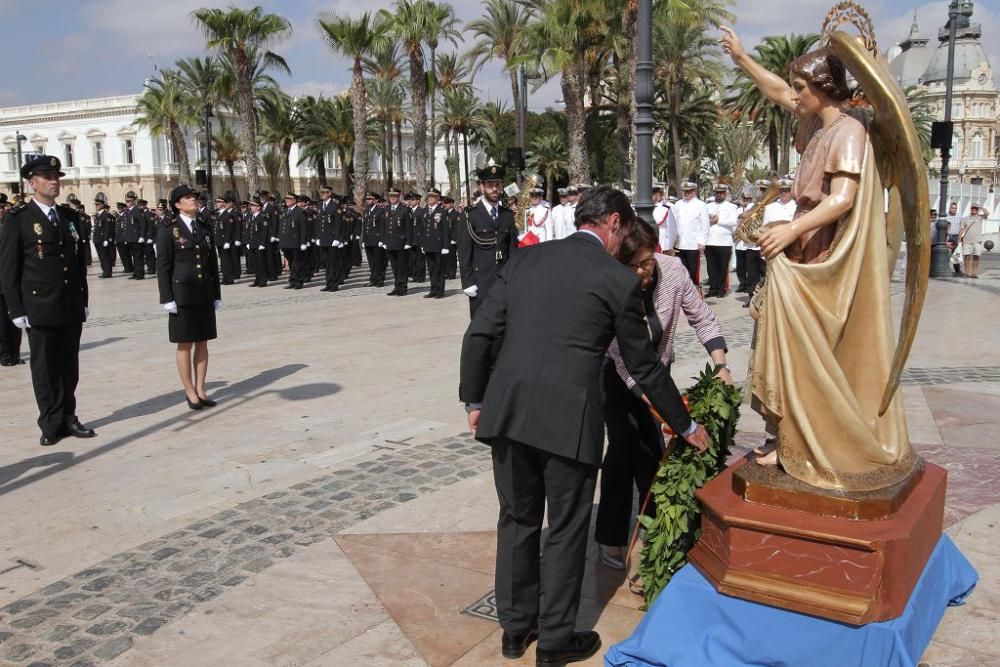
(850, 13)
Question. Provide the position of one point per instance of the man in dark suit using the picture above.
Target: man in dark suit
(44, 280)
(398, 241)
(530, 379)
(487, 239)
(373, 240)
(134, 235)
(436, 242)
(329, 230)
(454, 219)
(10, 335)
(124, 253)
(293, 239)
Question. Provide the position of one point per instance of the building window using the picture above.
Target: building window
(202, 152)
(956, 110)
(128, 154)
(39, 148)
(170, 151)
(12, 161)
(976, 152)
(98, 154)
(68, 155)
(956, 146)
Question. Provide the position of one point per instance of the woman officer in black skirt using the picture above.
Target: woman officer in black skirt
(187, 271)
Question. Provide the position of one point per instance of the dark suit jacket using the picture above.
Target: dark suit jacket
(479, 263)
(552, 313)
(42, 272)
(398, 227)
(437, 230)
(293, 230)
(187, 271)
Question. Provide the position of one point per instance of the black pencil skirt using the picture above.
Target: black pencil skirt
(192, 324)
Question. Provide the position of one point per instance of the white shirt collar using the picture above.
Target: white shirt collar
(45, 208)
(592, 233)
(188, 221)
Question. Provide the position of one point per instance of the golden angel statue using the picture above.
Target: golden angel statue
(826, 365)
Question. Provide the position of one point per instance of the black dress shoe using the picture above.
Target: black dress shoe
(401, 292)
(78, 430)
(582, 646)
(394, 292)
(514, 646)
(49, 440)
(429, 295)
(194, 406)
(335, 288)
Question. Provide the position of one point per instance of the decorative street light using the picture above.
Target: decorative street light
(208, 152)
(644, 113)
(20, 183)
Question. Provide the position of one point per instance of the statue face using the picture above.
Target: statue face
(808, 97)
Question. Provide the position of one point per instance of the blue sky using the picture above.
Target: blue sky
(90, 48)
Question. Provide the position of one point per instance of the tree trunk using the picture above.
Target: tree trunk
(181, 153)
(418, 94)
(465, 148)
(675, 136)
(384, 158)
(399, 151)
(572, 89)
(632, 62)
(516, 89)
(286, 152)
(550, 191)
(454, 136)
(247, 112)
(390, 157)
(232, 176)
(433, 95)
(786, 141)
(623, 129)
(360, 162)
(772, 147)
(348, 169)
(321, 170)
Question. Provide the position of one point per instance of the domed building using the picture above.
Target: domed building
(975, 156)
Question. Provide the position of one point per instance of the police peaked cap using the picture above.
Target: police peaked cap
(43, 164)
(181, 191)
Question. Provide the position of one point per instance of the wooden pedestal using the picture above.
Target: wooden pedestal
(844, 569)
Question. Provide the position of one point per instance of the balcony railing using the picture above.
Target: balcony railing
(72, 173)
(9, 176)
(95, 171)
(126, 170)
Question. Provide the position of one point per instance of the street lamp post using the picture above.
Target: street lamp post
(644, 113)
(208, 152)
(19, 138)
(939, 249)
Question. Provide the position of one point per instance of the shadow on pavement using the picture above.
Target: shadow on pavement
(100, 343)
(234, 396)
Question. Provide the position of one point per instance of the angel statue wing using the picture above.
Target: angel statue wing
(903, 172)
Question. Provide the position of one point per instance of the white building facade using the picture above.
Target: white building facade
(104, 152)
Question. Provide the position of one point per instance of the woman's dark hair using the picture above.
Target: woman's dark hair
(601, 201)
(825, 70)
(640, 238)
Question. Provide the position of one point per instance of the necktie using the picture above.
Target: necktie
(493, 213)
(54, 217)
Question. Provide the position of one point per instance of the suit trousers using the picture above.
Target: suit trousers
(717, 260)
(106, 258)
(237, 262)
(532, 589)
(125, 252)
(418, 265)
(273, 253)
(332, 258)
(10, 336)
(741, 269)
(88, 256)
(376, 264)
(260, 266)
(400, 262)
(451, 263)
(756, 268)
(226, 265)
(346, 261)
(635, 445)
(296, 266)
(691, 259)
(55, 371)
(150, 254)
(138, 253)
(436, 268)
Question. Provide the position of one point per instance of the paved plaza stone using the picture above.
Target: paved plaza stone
(332, 510)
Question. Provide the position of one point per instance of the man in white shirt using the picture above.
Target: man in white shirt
(558, 211)
(971, 237)
(689, 218)
(661, 216)
(954, 231)
(539, 218)
(722, 218)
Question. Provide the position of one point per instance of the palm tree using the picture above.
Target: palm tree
(205, 78)
(775, 54)
(271, 162)
(386, 97)
(390, 64)
(306, 109)
(330, 128)
(488, 133)
(408, 23)
(500, 35)
(738, 147)
(356, 38)
(279, 128)
(440, 25)
(165, 109)
(452, 71)
(242, 37)
(228, 151)
(923, 118)
(547, 155)
(459, 115)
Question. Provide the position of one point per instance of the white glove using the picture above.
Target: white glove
(21, 322)
(217, 304)
(170, 307)
(445, 251)
(225, 246)
(406, 247)
(260, 247)
(471, 291)
(149, 241)
(316, 241)
(337, 244)
(454, 242)
(238, 244)
(105, 244)
(303, 246)
(142, 240)
(274, 240)
(381, 245)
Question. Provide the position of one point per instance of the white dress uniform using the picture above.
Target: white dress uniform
(690, 223)
(721, 233)
(560, 226)
(666, 234)
(540, 222)
(777, 211)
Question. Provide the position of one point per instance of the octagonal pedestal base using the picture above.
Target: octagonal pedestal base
(848, 570)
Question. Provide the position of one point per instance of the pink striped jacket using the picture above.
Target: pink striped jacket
(675, 292)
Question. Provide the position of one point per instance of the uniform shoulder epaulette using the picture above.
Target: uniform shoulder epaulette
(18, 208)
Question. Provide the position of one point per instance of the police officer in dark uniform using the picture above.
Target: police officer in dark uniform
(487, 239)
(436, 242)
(149, 251)
(418, 265)
(349, 232)
(104, 236)
(86, 229)
(373, 240)
(134, 234)
(224, 228)
(329, 230)
(293, 239)
(269, 209)
(398, 241)
(258, 237)
(45, 285)
(188, 281)
(10, 335)
(124, 252)
(454, 218)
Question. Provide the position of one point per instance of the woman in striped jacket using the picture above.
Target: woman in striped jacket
(635, 442)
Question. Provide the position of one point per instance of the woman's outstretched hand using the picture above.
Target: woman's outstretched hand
(731, 44)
